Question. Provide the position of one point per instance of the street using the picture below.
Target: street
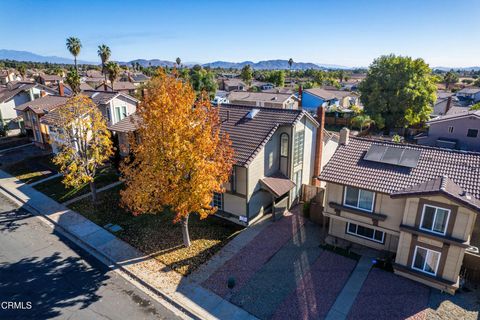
(43, 275)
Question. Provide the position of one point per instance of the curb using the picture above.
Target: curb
(103, 258)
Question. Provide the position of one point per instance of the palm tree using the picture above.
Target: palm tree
(104, 54)
(74, 45)
(290, 63)
(362, 121)
(113, 70)
(73, 80)
(178, 61)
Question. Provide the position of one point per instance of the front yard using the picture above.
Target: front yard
(56, 190)
(156, 235)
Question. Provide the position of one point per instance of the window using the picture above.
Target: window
(298, 148)
(284, 145)
(359, 198)
(298, 183)
(217, 201)
(426, 260)
(364, 232)
(120, 113)
(472, 133)
(450, 129)
(434, 219)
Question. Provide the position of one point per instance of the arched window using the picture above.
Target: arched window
(284, 145)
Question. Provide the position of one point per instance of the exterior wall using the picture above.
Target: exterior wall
(7, 108)
(118, 102)
(329, 149)
(310, 101)
(460, 129)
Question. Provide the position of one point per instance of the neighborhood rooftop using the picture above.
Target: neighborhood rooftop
(348, 166)
(258, 96)
(329, 94)
(43, 104)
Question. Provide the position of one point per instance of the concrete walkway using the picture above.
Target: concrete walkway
(83, 196)
(170, 285)
(346, 298)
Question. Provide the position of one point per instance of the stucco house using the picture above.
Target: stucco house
(416, 203)
(315, 97)
(263, 99)
(276, 153)
(454, 131)
(114, 106)
(232, 84)
(126, 87)
(12, 95)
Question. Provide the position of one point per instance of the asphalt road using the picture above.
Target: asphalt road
(45, 276)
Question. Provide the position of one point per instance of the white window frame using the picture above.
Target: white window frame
(434, 219)
(426, 259)
(362, 236)
(358, 199)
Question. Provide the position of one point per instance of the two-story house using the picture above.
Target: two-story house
(453, 131)
(263, 99)
(275, 154)
(12, 95)
(315, 97)
(114, 106)
(417, 203)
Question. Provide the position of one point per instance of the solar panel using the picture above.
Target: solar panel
(393, 155)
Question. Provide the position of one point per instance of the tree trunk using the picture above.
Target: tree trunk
(93, 189)
(75, 59)
(185, 234)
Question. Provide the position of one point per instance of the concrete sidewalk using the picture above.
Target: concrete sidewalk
(170, 285)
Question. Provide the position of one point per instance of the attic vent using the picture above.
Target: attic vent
(95, 94)
(252, 113)
(274, 98)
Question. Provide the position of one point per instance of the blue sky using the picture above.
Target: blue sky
(351, 33)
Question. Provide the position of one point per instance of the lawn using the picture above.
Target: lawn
(32, 169)
(156, 235)
(56, 190)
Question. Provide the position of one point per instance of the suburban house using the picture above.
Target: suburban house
(315, 97)
(12, 95)
(471, 94)
(33, 111)
(415, 203)
(276, 154)
(264, 99)
(232, 84)
(138, 79)
(114, 106)
(7, 76)
(453, 131)
(49, 79)
(119, 86)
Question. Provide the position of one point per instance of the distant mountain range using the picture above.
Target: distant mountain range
(261, 65)
(32, 57)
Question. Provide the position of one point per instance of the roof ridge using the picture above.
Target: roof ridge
(419, 146)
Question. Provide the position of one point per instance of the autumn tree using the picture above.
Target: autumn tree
(84, 142)
(398, 91)
(182, 157)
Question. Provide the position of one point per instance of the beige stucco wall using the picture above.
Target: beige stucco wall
(234, 204)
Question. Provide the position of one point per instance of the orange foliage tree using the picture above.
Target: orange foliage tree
(181, 157)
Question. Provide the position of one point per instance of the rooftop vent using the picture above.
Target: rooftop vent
(393, 155)
(252, 113)
(95, 94)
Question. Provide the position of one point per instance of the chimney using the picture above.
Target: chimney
(319, 145)
(43, 93)
(61, 90)
(344, 136)
(300, 92)
(449, 104)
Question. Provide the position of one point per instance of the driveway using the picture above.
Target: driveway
(60, 281)
(11, 156)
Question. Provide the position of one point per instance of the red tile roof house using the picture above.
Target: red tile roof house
(419, 204)
(276, 153)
